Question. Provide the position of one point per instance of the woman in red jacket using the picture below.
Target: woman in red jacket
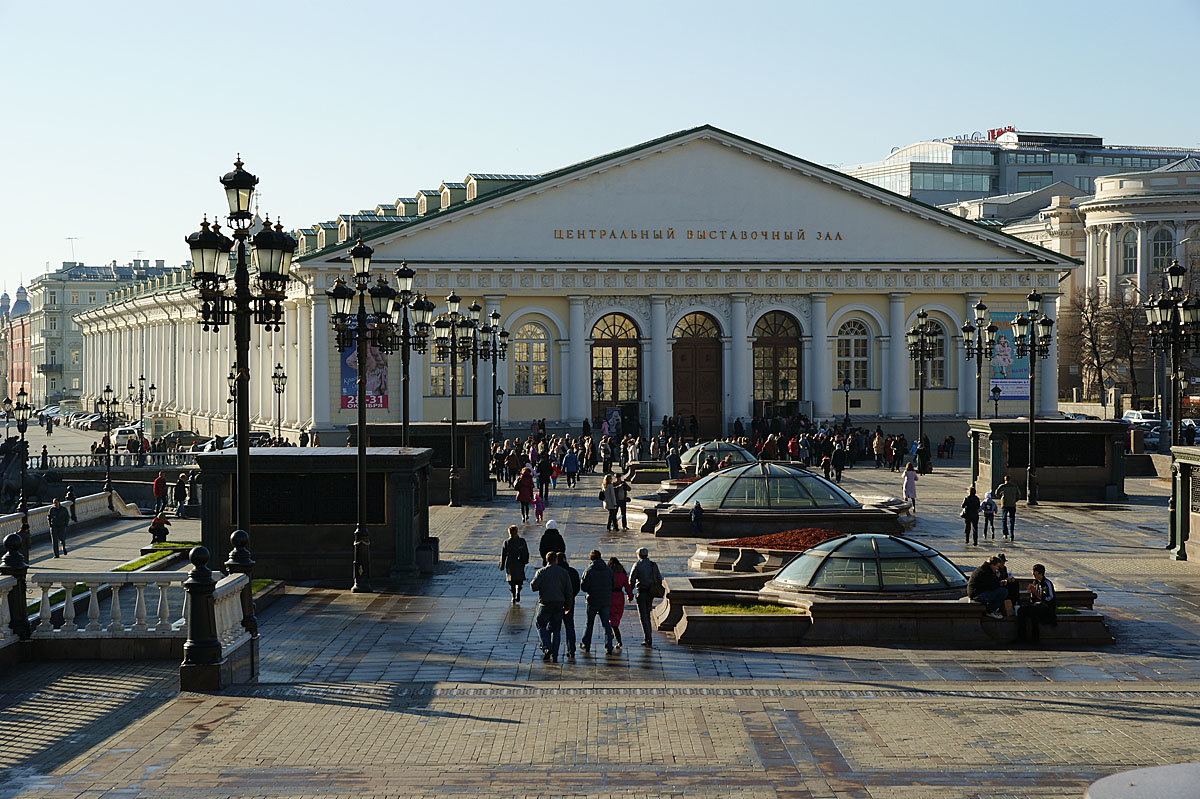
(621, 590)
(525, 489)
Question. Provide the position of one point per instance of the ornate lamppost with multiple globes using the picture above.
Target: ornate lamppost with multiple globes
(979, 338)
(410, 327)
(140, 396)
(108, 405)
(1173, 322)
(271, 252)
(922, 347)
(846, 387)
(490, 343)
(357, 328)
(21, 411)
(1033, 334)
(453, 332)
(279, 383)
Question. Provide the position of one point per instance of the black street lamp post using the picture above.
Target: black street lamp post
(21, 411)
(279, 383)
(979, 336)
(410, 328)
(1033, 334)
(490, 343)
(108, 402)
(996, 392)
(453, 333)
(359, 329)
(1173, 322)
(271, 251)
(140, 396)
(846, 386)
(473, 313)
(922, 346)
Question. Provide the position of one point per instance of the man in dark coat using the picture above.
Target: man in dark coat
(597, 583)
(569, 613)
(60, 517)
(552, 541)
(645, 580)
(553, 585)
(986, 586)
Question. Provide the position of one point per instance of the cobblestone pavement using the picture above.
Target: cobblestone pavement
(437, 689)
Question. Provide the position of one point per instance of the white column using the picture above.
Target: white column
(1114, 260)
(576, 368)
(662, 401)
(806, 368)
(966, 369)
(1048, 377)
(897, 379)
(821, 389)
(291, 366)
(1143, 273)
(320, 362)
(741, 377)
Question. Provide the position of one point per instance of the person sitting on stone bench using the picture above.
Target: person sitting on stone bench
(1037, 606)
(987, 587)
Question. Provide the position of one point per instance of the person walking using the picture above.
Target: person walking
(621, 493)
(524, 486)
(970, 515)
(304, 438)
(159, 487)
(909, 484)
(597, 583)
(514, 554)
(181, 488)
(545, 472)
(553, 585)
(988, 509)
(839, 462)
(552, 540)
(608, 496)
(1008, 494)
(621, 591)
(674, 464)
(569, 613)
(647, 584)
(60, 518)
(69, 499)
(570, 466)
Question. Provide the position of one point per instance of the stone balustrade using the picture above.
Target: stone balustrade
(152, 612)
(7, 635)
(227, 597)
(119, 460)
(87, 508)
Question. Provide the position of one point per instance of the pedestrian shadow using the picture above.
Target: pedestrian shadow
(410, 699)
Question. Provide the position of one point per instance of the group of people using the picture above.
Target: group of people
(992, 586)
(605, 584)
(1004, 499)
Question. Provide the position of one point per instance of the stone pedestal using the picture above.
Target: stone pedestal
(1076, 460)
(473, 440)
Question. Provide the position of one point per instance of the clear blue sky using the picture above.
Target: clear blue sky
(119, 117)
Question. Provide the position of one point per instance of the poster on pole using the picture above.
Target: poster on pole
(1009, 372)
(377, 377)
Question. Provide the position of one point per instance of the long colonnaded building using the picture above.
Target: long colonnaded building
(700, 273)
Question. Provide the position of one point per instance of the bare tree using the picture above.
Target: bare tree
(1091, 338)
(1125, 324)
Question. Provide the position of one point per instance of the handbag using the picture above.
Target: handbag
(601, 497)
(658, 590)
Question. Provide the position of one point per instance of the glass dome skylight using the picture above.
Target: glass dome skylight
(719, 450)
(870, 562)
(765, 486)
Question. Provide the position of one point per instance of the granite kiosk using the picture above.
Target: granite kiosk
(475, 483)
(1076, 460)
(305, 506)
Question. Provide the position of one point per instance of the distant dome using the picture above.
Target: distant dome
(719, 450)
(873, 563)
(764, 486)
(21, 306)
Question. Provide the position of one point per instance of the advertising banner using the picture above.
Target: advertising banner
(377, 377)
(1009, 372)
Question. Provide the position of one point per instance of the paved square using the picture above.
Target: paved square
(438, 689)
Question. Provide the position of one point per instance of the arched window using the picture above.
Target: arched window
(937, 364)
(531, 360)
(616, 360)
(697, 325)
(1102, 254)
(1129, 253)
(854, 354)
(1161, 247)
(439, 375)
(776, 361)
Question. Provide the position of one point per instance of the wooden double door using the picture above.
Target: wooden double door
(698, 384)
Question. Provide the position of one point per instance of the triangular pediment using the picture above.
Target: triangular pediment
(700, 197)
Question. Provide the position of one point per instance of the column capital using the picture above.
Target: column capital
(974, 297)
(495, 297)
(577, 299)
(744, 295)
(895, 296)
(659, 299)
(820, 295)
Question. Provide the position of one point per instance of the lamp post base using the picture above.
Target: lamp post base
(362, 568)
(1031, 487)
(453, 503)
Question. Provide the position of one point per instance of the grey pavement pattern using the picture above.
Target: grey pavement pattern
(438, 689)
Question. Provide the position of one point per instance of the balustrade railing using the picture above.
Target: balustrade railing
(152, 610)
(87, 508)
(7, 636)
(229, 610)
(120, 460)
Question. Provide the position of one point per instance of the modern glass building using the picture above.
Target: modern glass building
(969, 167)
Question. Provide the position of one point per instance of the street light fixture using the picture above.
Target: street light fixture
(359, 328)
(979, 336)
(410, 328)
(453, 335)
(1173, 322)
(271, 251)
(922, 347)
(490, 343)
(996, 392)
(279, 382)
(1033, 338)
(108, 402)
(140, 396)
(846, 386)
(21, 411)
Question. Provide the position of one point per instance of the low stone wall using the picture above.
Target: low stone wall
(675, 522)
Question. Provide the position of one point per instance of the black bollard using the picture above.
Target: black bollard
(12, 564)
(240, 562)
(202, 647)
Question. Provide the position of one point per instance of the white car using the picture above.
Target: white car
(1140, 417)
(121, 436)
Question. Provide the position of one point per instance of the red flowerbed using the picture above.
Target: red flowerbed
(792, 540)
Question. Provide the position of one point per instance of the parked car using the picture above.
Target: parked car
(182, 439)
(121, 436)
(257, 439)
(82, 422)
(1139, 417)
(96, 424)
